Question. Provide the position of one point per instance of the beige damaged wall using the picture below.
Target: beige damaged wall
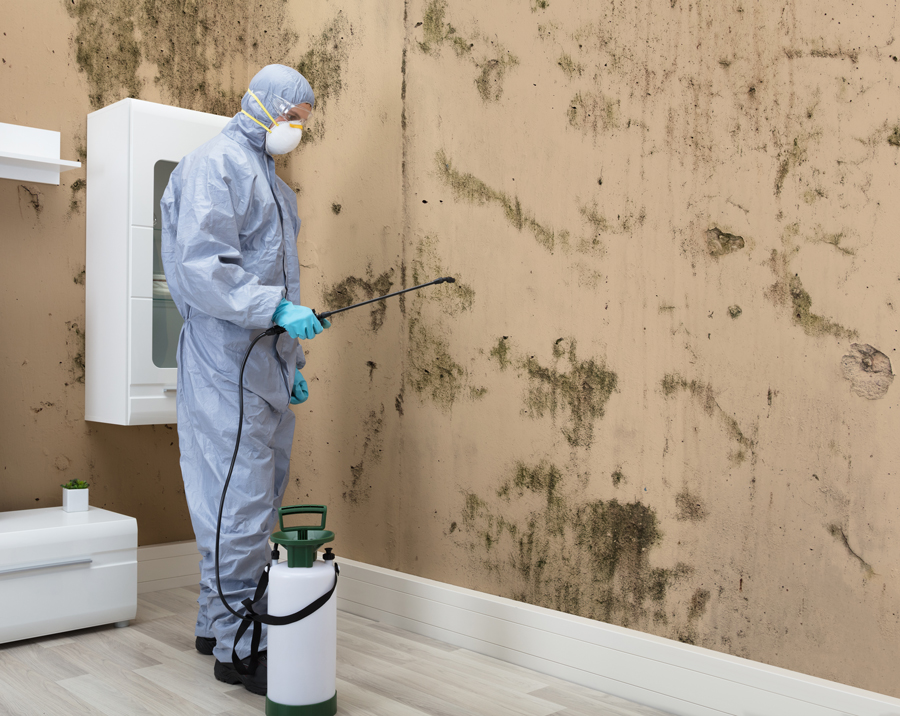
(669, 223)
(672, 221)
(73, 57)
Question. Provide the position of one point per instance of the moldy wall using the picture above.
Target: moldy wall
(660, 392)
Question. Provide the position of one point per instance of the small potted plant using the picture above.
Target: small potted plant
(75, 496)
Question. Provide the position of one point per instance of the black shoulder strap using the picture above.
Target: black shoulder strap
(260, 619)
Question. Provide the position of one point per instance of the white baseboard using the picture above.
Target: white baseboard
(677, 678)
(164, 566)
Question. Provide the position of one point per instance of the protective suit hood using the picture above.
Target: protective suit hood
(269, 82)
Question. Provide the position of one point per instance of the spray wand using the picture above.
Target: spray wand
(325, 314)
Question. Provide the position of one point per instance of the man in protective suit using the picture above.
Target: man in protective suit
(229, 249)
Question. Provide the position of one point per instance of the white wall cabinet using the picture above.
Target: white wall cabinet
(65, 570)
(131, 323)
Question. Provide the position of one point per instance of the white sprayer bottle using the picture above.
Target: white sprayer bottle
(302, 655)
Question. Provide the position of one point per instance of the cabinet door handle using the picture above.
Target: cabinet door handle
(86, 560)
(170, 389)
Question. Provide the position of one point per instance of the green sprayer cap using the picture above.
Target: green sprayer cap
(302, 543)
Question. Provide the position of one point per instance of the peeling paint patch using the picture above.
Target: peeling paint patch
(672, 383)
(582, 391)
(868, 370)
(719, 243)
(472, 189)
(354, 289)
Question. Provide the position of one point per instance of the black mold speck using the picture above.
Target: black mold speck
(336, 208)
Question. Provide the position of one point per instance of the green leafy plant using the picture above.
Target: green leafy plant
(74, 484)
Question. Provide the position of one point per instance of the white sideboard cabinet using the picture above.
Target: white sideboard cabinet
(131, 323)
(65, 570)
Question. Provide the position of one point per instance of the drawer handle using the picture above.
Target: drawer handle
(86, 560)
(170, 389)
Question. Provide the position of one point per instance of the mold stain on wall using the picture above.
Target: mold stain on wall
(589, 557)
(194, 47)
(840, 535)
(358, 490)
(593, 112)
(788, 291)
(703, 393)
(354, 289)
(488, 56)
(431, 370)
(581, 392)
(470, 188)
(689, 507)
(106, 48)
(322, 65)
(76, 349)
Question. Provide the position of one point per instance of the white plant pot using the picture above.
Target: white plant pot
(75, 500)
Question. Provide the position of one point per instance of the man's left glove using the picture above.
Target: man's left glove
(298, 321)
(301, 389)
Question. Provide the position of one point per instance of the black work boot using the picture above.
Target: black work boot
(205, 644)
(254, 683)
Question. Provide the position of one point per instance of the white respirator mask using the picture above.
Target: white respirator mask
(283, 136)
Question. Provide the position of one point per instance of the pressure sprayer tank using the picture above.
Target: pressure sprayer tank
(302, 655)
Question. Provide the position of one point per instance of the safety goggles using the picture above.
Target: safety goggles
(294, 114)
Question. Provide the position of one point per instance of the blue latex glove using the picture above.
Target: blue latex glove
(298, 321)
(301, 389)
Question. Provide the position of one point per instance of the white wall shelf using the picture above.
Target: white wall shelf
(30, 154)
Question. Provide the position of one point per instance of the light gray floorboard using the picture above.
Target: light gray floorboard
(152, 669)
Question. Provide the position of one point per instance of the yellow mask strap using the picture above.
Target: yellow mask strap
(263, 109)
(255, 120)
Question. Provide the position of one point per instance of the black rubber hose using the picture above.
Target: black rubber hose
(275, 330)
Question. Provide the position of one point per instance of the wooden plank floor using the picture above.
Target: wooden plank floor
(151, 668)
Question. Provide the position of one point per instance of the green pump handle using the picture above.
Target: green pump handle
(302, 510)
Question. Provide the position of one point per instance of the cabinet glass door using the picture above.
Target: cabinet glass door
(167, 321)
